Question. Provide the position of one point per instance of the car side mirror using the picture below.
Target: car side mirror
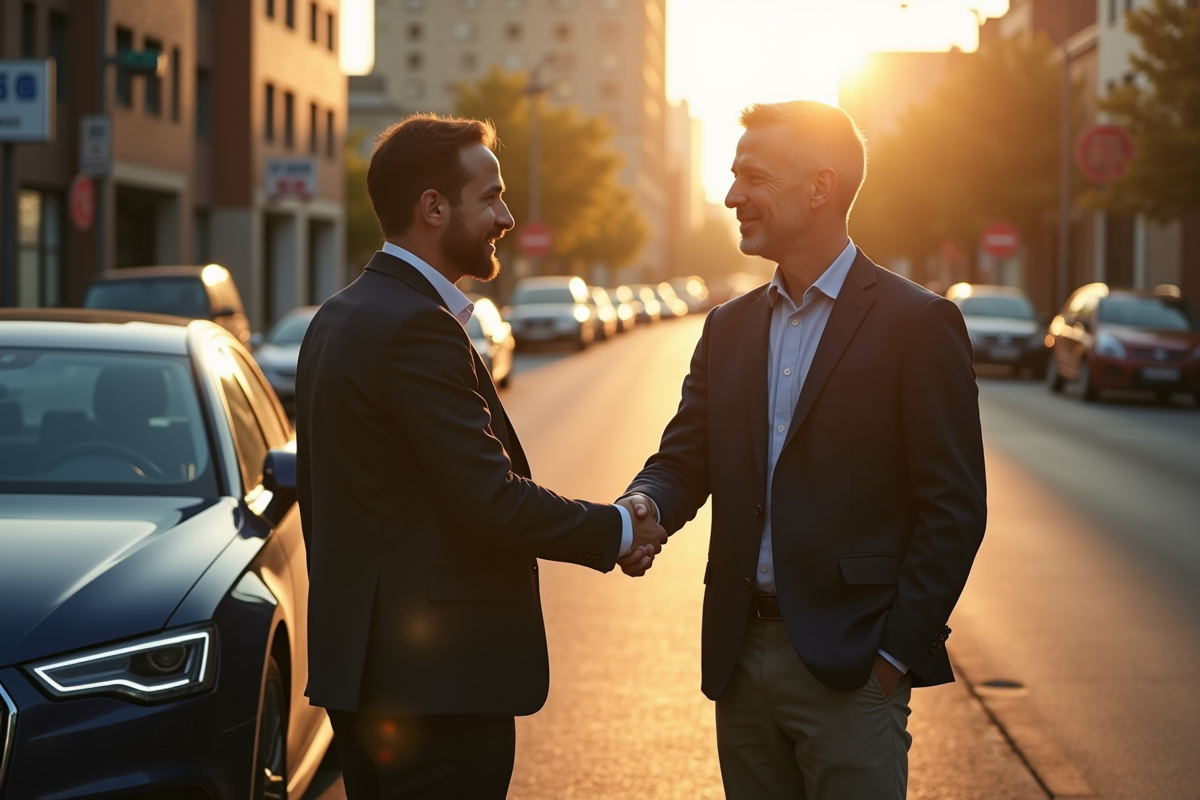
(279, 478)
(256, 340)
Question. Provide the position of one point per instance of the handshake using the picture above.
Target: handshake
(648, 536)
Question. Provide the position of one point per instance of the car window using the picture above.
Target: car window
(94, 422)
(177, 296)
(247, 435)
(1147, 312)
(997, 306)
(265, 407)
(542, 294)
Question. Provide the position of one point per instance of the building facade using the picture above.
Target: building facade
(246, 82)
(608, 57)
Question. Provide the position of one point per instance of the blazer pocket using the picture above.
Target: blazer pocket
(852, 380)
(470, 586)
(873, 569)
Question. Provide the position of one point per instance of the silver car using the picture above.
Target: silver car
(278, 353)
(551, 309)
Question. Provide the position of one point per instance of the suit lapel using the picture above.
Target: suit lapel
(755, 355)
(851, 306)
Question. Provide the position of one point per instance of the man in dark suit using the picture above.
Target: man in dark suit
(422, 525)
(833, 417)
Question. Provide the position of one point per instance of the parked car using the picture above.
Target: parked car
(190, 292)
(493, 340)
(693, 291)
(629, 307)
(672, 306)
(603, 312)
(551, 309)
(651, 308)
(278, 352)
(1123, 339)
(153, 584)
(1003, 325)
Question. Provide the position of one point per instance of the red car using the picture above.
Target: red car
(1123, 339)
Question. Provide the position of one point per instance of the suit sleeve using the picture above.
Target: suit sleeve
(677, 478)
(944, 452)
(431, 387)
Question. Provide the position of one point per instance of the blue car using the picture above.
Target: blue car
(153, 577)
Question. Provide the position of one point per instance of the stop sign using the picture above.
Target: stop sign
(535, 239)
(1000, 239)
(82, 203)
(1103, 152)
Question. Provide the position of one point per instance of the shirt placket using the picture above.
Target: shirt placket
(784, 401)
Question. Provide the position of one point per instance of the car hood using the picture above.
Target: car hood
(273, 356)
(1013, 327)
(1167, 340)
(77, 571)
(528, 310)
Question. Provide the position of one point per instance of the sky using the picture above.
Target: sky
(723, 55)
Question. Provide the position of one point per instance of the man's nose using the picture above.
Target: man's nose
(734, 198)
(505, 219)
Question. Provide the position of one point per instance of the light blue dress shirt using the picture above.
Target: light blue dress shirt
(461, 307)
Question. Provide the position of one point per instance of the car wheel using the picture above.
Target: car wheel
(270, 760)
(1087, 391)
(1053, 380)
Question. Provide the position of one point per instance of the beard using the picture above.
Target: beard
(469, 253)
(774, 234)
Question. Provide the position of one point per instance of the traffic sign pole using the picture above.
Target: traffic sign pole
(101, 220)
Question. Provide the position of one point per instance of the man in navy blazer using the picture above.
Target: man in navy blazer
(833, 418)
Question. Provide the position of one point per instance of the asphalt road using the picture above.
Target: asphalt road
(1085, 591)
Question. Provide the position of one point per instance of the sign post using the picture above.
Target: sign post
(535, 239)
(26, 117)
(1000, 240)
(1103, 152)
(291, 177)
(82, 203)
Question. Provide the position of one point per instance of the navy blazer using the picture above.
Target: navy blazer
(879, 502)
(421, 521)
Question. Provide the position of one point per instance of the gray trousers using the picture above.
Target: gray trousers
(782, 734)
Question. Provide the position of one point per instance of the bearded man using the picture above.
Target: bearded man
(423, 528)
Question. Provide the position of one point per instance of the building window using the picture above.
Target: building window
(415, 31)
(153, 84)
(201, 237)
(1128, 6)
(563, 62)
(28, 30)
(609, 61)
(562, 32)
(513, 31)
(412, 89)
(269, 114)
(415, 61)
(314, 20)
(176, 66)
(58, 51)
(39, 248)
(329, 32)
(124, 79)
(470, 62)
(271, 9)
(610, 90)
(414, 5)
(289, 120)
(289, 13)
(312, 128)
(513, 62)
(465, 31)
(203, 104)
(1112, 12)
(330, 139)
(610, 31)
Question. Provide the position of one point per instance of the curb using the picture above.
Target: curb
(1005, 702)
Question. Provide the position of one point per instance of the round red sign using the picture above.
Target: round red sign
(535, 239)
(1103, 152)
(82, 203)
(1000, 239)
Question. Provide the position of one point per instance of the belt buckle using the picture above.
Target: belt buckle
(758, 606)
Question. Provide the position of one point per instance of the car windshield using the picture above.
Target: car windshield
(86, 422)
(996, 306)
(290, 330)
(1157, 313)
(542, 294)
(180, 297)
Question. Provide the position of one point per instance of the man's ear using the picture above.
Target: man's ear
(825, 184)
(432, 208)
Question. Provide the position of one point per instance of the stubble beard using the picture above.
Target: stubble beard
(468, 253)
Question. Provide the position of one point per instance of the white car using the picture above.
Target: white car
(493, 340)
(551, 309)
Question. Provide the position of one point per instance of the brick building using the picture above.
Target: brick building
(245, 82)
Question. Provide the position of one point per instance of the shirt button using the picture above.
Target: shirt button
(763, 569)
(787, 372)
(795, 322)
(780, 429)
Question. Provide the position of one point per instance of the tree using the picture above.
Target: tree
(1161, 112)
(362, 229)
(984, 147)
(593, 217)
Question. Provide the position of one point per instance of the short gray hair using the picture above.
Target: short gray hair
(822, 136)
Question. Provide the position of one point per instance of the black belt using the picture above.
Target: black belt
(767, 606)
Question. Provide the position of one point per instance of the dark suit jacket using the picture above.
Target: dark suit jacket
(421, 522)
(879, 502)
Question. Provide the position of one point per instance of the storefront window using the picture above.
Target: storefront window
(39, 248)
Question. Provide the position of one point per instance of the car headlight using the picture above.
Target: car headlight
(153, 669)
(581, 313)
(1107, 345)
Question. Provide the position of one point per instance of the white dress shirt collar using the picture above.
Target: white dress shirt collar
(829, 284)
(456, 302)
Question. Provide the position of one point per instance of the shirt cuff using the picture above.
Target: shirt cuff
(894, 662)
(626, 531)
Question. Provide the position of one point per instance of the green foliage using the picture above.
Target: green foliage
(593, 217)
(1161, 111)
(362, 229)
(984, 147)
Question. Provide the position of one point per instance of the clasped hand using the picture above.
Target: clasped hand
(648, 536)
